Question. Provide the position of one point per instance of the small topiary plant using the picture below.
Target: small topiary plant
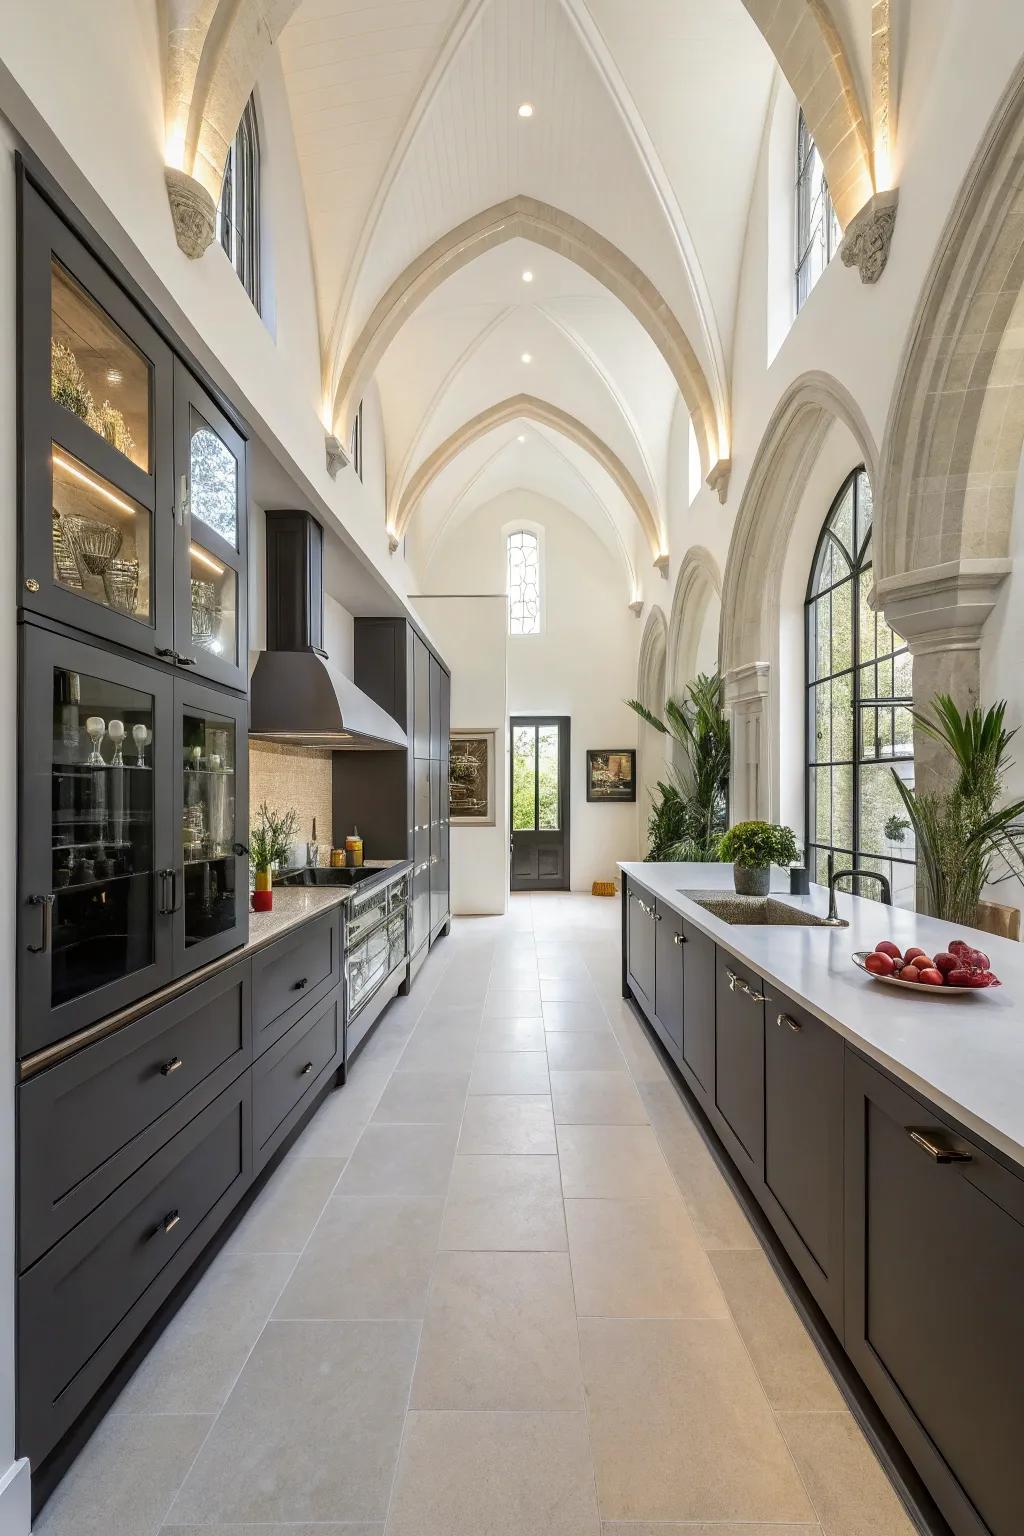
(758, 845)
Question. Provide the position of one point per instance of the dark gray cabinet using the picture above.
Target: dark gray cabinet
(697, 1057)
(640, 949)
(803, 1147)
(669, 962)
(421, 661)
(294, 974)
(739, 1064)
(934, 1324)
(288, 1077)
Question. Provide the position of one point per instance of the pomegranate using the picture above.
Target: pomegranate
(887, 947)
(945, 962)
(880, 964)
(959, 978)
(915, 954)
(930, 977)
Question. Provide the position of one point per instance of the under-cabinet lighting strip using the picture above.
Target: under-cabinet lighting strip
(205, 559)
(94, 485)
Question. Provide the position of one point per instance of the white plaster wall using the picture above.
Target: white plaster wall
(471, 634)
(582, 665)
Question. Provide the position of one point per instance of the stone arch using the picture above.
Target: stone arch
(650, 690)
(516, 408)
(810, 53)
(749, 654)
(525, 218)
(698, 584)
(215, 49)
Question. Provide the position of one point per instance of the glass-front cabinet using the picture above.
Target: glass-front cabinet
(133, 481)
(132, 864)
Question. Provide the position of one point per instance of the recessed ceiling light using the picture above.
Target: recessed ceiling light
(527, 277)
(521, 438)
(527, 357)
(526, 109)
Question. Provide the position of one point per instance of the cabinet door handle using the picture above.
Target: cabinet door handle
(166, 652)
(182, 500)
(303, 981)
(171, 1066)
(755, 997)
(935, 1144)
(184, 661)
(46, 939)
(307, 1069)
(169, 907)
(736, 983)
(170, 1221)
(785, 1018)
(679, 938)
(654, 916)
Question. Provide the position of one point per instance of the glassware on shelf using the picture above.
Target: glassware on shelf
(142, 736)
(96, 542)
(115, 730)
(193, 827)
(96, 372)
(121, 585)
(96, 728)
(101, 538)
(65, 566)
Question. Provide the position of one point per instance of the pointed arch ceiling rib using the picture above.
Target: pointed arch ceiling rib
(527, 407)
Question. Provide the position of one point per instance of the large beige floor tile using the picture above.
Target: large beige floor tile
(334, 1129)
(595, 1098)
(672, 1528)
(512, 1035)
(508, 1123)
(505, 1203)
(509, 1072)
(422, 1098)
(584, 1051)
(332, 1528)
(639, 1258)
(361, 1092)
(500, 1333)
(680, 1428)
(311, 1430)
(570, 988)
(370, 1257)
(125, 1478)
(575, 1017)
(196, 1360)
(716, 1213)
(792, 1372)
(520, 1003)
(495, 1474)
(401, 1160)
(851, 1494)
(285, 1211)
(612, 1162)
(444, 1048)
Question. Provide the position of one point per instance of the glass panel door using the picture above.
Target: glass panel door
(212, 757)
(94, 840)
(540, 804)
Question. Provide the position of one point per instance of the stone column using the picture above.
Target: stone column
(747, 701)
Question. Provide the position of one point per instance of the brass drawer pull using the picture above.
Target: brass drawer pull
(302, 982)
(170, 1221)
(936, 1146)
(307, 1069)
(794, 1024)
(171, 1066)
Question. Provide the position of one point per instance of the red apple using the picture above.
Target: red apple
(930, 977)
(887, 947)
(880, 964)
(945, 962)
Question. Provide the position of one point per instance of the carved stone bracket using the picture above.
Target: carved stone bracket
(661, 565)
(942, 607)
(718, 479)
(869, 236)
(193, 211)
(337, 458)
(636, 607)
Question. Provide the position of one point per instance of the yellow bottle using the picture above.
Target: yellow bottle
(354, 848)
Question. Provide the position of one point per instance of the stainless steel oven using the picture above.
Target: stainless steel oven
(376, 940)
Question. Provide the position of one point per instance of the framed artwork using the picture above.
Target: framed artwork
(471, 779)
(611, 774)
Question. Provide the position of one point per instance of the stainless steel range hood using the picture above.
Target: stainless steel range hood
(296, 695)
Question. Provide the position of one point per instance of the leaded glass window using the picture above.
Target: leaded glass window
(817, 228)
(523, 583)
(859, 702)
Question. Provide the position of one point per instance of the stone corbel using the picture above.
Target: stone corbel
(942, 607)
(393, 541)
(661, 565)
(193, 211)
(636, 607)
(337, 457)
(869, 236)
(718, 479)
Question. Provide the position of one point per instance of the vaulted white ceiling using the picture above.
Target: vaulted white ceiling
(646, 127)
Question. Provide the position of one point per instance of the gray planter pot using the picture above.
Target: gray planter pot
(751, 882)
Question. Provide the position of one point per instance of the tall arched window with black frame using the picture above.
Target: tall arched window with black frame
(238, 216)
(859, 702)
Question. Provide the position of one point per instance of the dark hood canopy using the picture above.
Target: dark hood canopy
(296, 695)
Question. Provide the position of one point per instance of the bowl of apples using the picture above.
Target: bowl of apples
(954, 970)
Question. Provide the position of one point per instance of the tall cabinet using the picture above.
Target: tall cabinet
(399, 800)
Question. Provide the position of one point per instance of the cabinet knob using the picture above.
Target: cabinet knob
(679, 938)
(170, 1221)
(785, 1018)
(302, 982)
(171, 1066)
(936, 1145)
(307, 1069)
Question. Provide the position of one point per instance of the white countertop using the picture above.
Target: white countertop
(964, 1052)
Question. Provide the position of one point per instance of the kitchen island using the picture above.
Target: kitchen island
(881, 1133)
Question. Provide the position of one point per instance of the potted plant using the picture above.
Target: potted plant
(688, 814)
(753, 847)
(269, 840)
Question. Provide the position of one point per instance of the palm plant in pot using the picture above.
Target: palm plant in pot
(270, 837)
(753, 847)
(688, 812)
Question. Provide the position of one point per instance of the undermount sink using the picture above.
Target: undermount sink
(759, 911)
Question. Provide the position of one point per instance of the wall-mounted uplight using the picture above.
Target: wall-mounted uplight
(521, 438)
(526, 109)
(527, 277)
(527, 357)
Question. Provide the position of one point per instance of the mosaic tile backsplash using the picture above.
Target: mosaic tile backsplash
(294, 777)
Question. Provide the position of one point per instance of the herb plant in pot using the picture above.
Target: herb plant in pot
(270, 837)
(753, 847)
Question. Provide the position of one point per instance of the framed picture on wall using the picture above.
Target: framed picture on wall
(611, 774)
(471, 779)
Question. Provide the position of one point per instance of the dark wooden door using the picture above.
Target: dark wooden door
(641, 959)
(803, 1146)
(739, 1064)
(669, 962)
(96, 835)
(934, 1324)
(210, 537)
(697, 1057)
(540, 803)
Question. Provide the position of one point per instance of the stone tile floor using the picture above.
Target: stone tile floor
(498, 1288)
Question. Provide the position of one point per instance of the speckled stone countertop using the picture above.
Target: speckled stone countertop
(962, 1051)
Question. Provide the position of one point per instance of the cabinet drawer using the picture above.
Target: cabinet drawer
(87, 1124)
(83, 1304)
(293, 974)
(288, 1074)
(739, 1064)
